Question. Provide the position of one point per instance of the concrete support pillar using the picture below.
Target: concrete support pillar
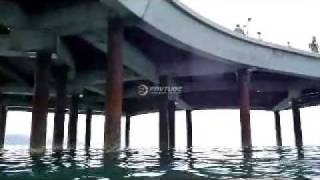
(59, 116)
(163, 125)
(40, 103)
(189, 128)
(278, 128)
(244, 101)
(171, 120)
(164, 136)
(114, 86)
(88, 128)
(3, 119)
(73, 123)
(128, 123)
(297, 123)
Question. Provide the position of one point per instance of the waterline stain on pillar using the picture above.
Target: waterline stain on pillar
(73, 122)
(278, 128)
(40, 103)
(114, 86)
(297, 123)
(3, 119)
(244, 102)
(61, 100)
(88, 128)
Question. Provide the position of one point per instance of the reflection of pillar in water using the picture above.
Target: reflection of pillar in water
(164, 160)
(190, 159)
(247, 162)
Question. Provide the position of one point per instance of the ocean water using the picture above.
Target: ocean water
(216, 163)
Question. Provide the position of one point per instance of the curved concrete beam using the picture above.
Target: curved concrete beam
(178, 25)
(76, 19)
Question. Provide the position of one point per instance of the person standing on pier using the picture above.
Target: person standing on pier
(238, 29)
(314, 47)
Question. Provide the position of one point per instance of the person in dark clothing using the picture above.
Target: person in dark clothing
(314, 47)
(238, 29)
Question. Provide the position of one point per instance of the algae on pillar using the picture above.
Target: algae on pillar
(114, 86)
(40, 103)
(244, 102)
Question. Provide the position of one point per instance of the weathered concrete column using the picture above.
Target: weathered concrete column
(164, 118)
(189, 128)
(40, 103)
(244, 102)
(59, 116)
(128, 123)
(88, 128)
(171, 120)
(3, 119)
(278, 128)
(297, 123)
(73, 123)
(114, 86)
(163, 125)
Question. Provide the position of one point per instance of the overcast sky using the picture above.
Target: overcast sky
(279, 21)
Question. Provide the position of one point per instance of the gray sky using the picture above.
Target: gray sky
(279, 21)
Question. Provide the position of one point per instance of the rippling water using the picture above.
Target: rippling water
(218, 163)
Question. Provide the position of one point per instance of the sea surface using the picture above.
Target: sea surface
(191, 164)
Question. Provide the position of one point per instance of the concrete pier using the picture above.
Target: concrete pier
(40, 103)
(171, 120)
(61, 101)
(278, 128)
(88, 128)
(296, 123)
(244, 102)
(73, 122)
(189, 128)
(109, 65)
(127, 135)
(114, 86)
(164, 118)
(3, 119)
(163, 125)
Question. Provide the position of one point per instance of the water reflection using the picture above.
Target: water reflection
(219, 163)
(247, 163)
